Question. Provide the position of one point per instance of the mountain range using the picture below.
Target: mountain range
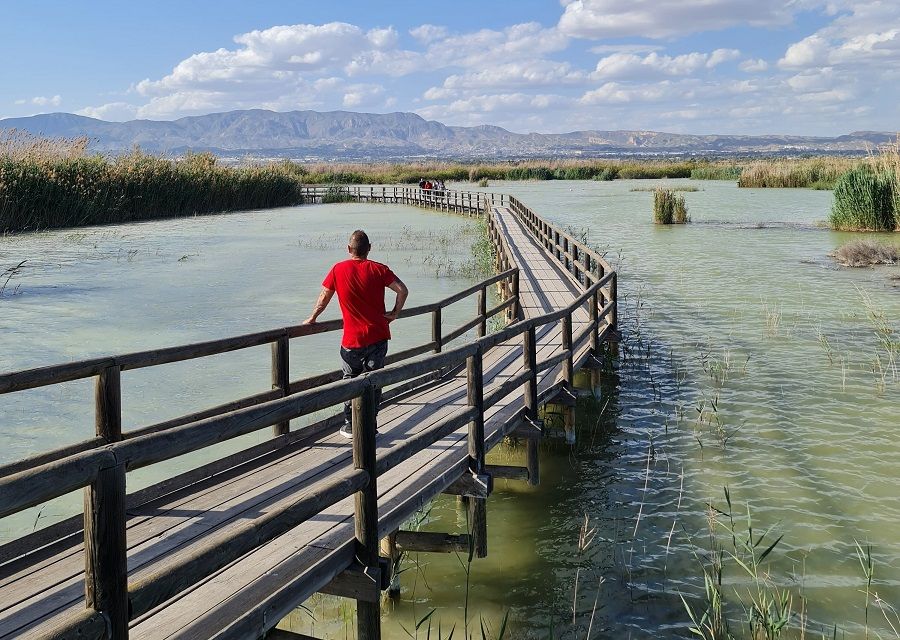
(345, 135)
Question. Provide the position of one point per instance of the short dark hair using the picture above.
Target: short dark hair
(359, 244)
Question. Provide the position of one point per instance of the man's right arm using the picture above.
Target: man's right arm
(402, 292)
(324, 298)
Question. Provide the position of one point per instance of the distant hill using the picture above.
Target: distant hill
(346, 135)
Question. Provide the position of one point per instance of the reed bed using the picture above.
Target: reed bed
(799, 173)
(864, 201)
(411, 173)
(47, 184)
(669, 208)
(717, 172)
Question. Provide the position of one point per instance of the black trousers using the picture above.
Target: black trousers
(357, 361)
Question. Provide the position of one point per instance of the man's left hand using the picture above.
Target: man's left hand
(390, 316)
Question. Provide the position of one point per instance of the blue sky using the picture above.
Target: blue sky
(693, 66)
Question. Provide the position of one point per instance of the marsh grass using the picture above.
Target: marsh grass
(334, 194)
(795, 173)
(717, 172)
(52, 183)
(864, 200)
(669, 208)
(865, 253)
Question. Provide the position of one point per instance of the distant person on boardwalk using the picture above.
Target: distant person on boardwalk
(360, 284)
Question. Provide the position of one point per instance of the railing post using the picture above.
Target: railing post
(105, 549)
(529, 363)
(565, 253)
(436, 337)
(600, 273)
(475, 398)
(368, 614)
(594, 301)
(575, 259)
(568, 366)
(613, 297)
(281, 377)
(482, 312)
(517, 305)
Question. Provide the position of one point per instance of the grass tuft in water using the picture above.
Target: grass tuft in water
(865, 253)
(669, 208)
(864, 201)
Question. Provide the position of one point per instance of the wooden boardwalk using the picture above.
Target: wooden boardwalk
(229, 549)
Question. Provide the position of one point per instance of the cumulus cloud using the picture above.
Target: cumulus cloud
(427, 33)
(509, 75)
(42, 101)
(628, 65)
(667, 18)
(113, 111)
(754, 65)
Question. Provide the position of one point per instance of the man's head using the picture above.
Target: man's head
(359, 244)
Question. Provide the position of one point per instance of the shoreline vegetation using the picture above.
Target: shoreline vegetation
(56, 183)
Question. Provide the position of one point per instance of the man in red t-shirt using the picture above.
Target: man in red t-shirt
(360, 284)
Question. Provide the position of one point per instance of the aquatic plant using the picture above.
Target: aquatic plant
(335, 194)
(717, 172)
(669, 208)
(864, 200)
(795, 173)
(483, 182)
(865, 253)
(52, 186)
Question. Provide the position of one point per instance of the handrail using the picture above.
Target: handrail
(102, 468)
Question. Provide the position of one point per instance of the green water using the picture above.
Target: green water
(740, 314)
(106, 290)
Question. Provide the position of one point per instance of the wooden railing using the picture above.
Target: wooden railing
(471, 202)
(584, 263)
(99, 465)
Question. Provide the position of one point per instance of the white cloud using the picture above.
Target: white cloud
(625, 48)
(509, 75)
(757, 65)
(361, 95)
(42, 101)
(668, 18)
(113, 111)
(427, 33)
(810, 51)
(618, 93)
(628, 65)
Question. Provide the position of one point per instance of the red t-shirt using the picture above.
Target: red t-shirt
(360, 288)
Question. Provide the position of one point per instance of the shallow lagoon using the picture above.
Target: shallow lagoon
(738, 319)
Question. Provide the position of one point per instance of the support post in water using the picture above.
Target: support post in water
(390, 551)
(475, 399)
(281, 377)
(368, 614)
(105, 549)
